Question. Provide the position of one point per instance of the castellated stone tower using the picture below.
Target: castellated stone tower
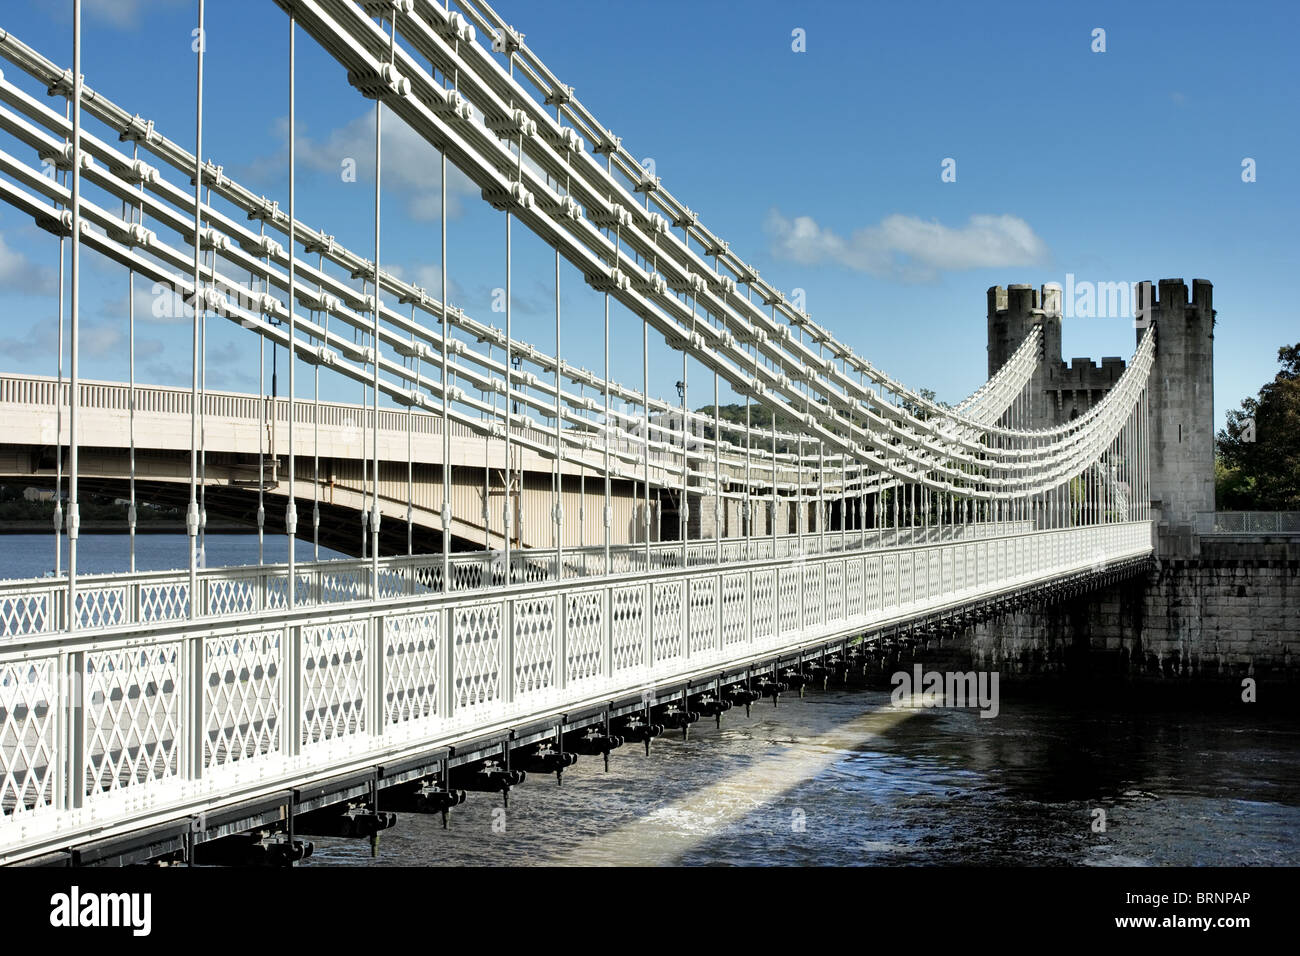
(1180, 394)
(1061, 392)
(1180, 403)
(1013, 312)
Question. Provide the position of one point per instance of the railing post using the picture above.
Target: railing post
(376, 671)
(508, 650)
(685, 618)
(562, 639)
(447, 691)
(800, 588)
(749, 605)
(718, 594)
(291, 689)
(648, 627)
(608, 619)
(74, 772)
(194, 736)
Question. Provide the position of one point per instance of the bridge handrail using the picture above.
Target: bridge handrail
(1256, 522)
(169, 717)
(39, 605)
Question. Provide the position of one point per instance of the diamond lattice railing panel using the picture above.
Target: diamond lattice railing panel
(468, 575)
(872, 585)
(699, 555)
(703, 615)
(889, 577)
(929, 586)
(814, 590)
(667, 559)
(167, 601)
(835, 591)
(733, 609)
(27, 614)
(102, 605)
(277, 591)
(946, 569)
(427, 578)
(132, 716)
(853, 588)
(788, 605)
(533, 621)
(28, 690)
(629, 626)
(241, 696)
(477, 632)
(906, 566)
(531, 571)
(334, 680)
(666, 620)
(394, 582)
(235, 596)
(763, 605)
(584, 634)
(412, 666)
(337, 587)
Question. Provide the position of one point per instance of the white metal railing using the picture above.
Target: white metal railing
(1257, 522)
(132, 725)
(39, 605)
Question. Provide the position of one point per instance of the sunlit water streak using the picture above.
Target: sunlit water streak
(840, 778)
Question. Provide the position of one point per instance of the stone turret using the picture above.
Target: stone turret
(1012, 314)
(1180, 402)
(1180, 394)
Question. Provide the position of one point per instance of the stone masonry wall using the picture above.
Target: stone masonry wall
(1232, 613)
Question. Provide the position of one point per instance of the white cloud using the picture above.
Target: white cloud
(909, 248)
(18, 273)
(39, 343)
(410, 164)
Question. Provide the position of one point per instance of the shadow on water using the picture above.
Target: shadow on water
(839, 778)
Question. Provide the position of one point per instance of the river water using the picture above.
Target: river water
(32, 555)
(842, 778)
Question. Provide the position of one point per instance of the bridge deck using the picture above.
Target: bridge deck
(168, 718)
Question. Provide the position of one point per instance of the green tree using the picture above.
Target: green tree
(1257, 465)
(917, 410)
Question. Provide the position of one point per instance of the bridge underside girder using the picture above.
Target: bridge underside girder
(230, 493)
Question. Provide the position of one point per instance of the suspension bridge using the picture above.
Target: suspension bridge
(544, 562)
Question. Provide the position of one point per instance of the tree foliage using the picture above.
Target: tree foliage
(1257, 465)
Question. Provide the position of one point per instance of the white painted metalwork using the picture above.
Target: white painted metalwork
(435, 665)
(136, 698)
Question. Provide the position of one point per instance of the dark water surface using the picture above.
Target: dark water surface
(815, 782)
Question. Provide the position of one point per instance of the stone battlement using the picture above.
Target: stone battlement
(1180, 392)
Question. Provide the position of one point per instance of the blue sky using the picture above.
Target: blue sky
(820, 167)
